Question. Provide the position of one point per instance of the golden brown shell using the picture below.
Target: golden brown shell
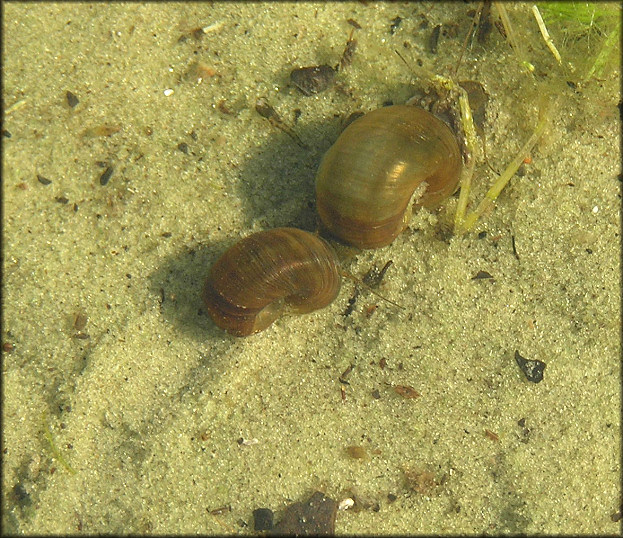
(268, 274)
(366, 180)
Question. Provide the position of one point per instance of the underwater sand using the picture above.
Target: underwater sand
(126, 410)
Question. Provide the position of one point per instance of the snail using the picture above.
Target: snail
(269, 274)
(367, 178)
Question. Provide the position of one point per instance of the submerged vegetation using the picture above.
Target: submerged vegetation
(588, 35)
(583, 38)
(47, 433)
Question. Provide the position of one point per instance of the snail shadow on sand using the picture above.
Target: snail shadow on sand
(276, 188)
(276, 185)
(178, 283)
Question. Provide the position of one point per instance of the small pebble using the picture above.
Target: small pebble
(313, 79)
(395, 24)
(105, 177)
(72, 100)
(314, 517)
(264, 519)
(532, 369)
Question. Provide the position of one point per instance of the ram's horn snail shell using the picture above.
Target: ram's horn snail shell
(366, 180)
(269, 274)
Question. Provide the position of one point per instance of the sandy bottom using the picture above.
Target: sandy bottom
(125, 409)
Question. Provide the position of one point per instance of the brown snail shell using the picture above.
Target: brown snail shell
(366, 180)
(269, 274)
